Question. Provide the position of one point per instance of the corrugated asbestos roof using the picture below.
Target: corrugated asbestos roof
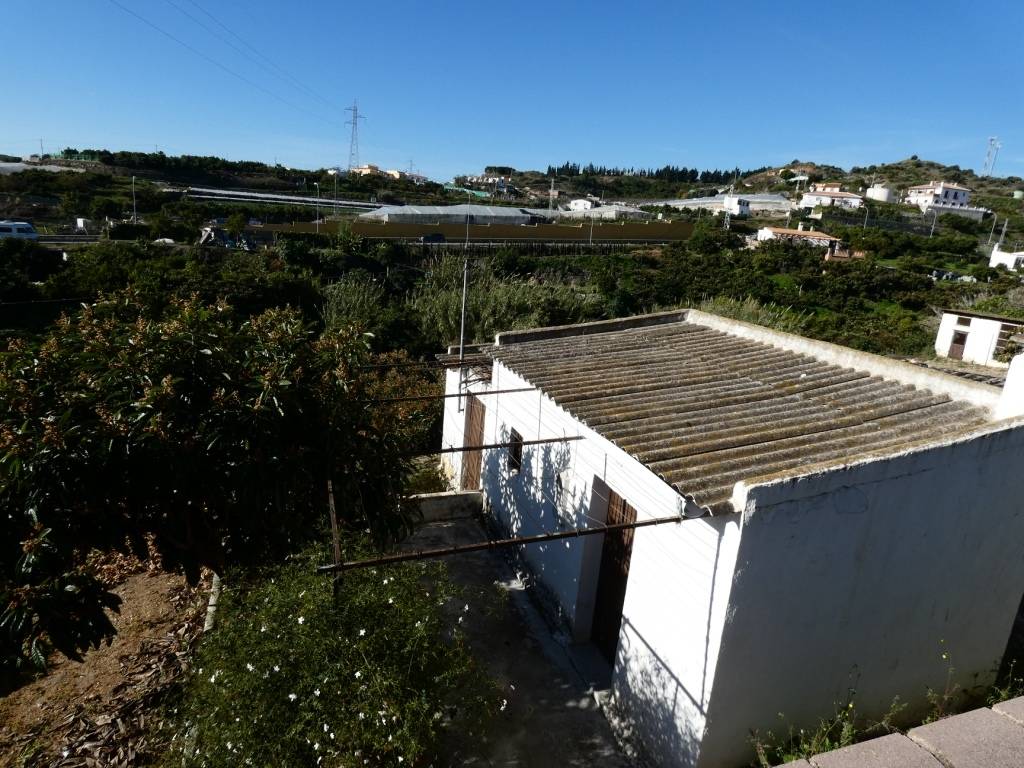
(705, 409)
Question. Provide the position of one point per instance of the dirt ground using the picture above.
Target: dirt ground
(550, 716)
(94, 712)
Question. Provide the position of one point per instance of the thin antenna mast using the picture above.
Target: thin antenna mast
(353, 146)
(994, 146)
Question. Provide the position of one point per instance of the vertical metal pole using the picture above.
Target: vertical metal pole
(462, 325)
(866, 210)
(935, 217)
(991, 234)
(135, 217)
(335, 535)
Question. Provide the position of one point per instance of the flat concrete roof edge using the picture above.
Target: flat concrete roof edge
(586, 329)
(958, 388)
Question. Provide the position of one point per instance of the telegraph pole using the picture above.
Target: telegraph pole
(135, 218)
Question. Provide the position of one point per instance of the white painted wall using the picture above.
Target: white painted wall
(735, 205)
(982, 337)
(680, 575)
(813, 200)
(1009, 259)
(581, 204)
(854, 577)
(881, 193)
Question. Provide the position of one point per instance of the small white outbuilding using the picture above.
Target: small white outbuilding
(834, 517)
(1012, 260)
(975, 337)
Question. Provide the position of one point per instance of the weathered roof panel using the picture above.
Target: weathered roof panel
(705, 409)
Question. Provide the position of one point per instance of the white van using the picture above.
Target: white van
(21, 230)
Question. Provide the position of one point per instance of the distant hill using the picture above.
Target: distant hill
(575, 180)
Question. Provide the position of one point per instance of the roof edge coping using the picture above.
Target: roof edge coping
(505, 338)
(981, 315)
(982, 395)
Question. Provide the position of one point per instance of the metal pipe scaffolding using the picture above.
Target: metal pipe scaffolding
(424, 554)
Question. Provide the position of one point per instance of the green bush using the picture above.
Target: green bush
(294, 677)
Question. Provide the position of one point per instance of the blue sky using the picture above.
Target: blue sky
(453, 85)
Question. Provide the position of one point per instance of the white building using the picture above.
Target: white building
(938, 193)
(736, 205)
(1010, 259)
(801, 235)
(759, 202)
(581, 204)
(839, 514)
(975, 337)
(881, 193)
(941, 197)
(830, 195)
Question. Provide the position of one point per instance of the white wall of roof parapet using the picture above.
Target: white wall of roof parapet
(976, 393)
(862, 577)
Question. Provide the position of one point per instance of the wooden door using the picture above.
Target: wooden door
(612, 577)
(473, 435)
(956, 349)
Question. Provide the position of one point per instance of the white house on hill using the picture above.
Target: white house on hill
(943, 197)
(975, 337)
(830, 195)
(838, 515)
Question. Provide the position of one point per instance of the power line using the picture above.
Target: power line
(269, 66)
(217, 64)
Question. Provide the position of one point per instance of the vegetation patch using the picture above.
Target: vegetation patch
(293, 676)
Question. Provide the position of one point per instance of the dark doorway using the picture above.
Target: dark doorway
(956, 349)
(473, 435)
(612, 577)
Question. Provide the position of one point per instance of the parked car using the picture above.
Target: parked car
(20, 230)
(435, 237)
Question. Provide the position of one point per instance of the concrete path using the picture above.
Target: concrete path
(550, 716)
(982, 738)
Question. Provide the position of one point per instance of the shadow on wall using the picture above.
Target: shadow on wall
(524, 504)
(654, 702)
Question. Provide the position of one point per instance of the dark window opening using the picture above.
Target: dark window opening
(515, 451)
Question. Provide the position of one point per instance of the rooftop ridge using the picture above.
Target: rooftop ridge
(587, 329)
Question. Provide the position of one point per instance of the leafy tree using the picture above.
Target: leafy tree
(214, 435)
(236, 224)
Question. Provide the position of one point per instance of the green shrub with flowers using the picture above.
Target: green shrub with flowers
(292, 676)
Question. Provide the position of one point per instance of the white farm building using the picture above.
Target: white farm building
(1012, 260)
(975, 337)
(826, 195)
(837, 514)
